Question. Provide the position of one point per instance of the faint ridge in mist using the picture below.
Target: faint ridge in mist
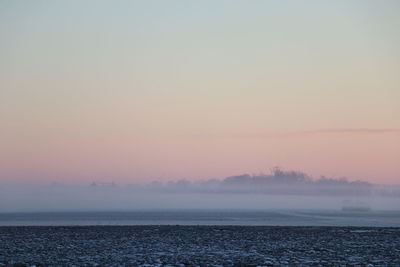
(277, 190)
(278, 182)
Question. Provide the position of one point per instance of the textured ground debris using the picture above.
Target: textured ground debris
(199, 246)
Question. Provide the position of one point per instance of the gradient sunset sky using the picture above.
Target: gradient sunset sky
(136, 91)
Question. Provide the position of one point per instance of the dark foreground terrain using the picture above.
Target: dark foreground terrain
(199, 246)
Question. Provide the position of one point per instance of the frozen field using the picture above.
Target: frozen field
(199, 246)
(207, 217)
(200, 238)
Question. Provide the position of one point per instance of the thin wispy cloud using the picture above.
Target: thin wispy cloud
(341, 131)
(354, 130)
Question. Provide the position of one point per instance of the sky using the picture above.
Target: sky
(136, 91)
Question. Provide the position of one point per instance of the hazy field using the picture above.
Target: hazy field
(207, 217)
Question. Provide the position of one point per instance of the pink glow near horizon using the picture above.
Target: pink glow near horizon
(371, 158)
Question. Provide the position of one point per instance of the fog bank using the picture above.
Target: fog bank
(278, 190)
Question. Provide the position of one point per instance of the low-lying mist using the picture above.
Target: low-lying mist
(278, 190)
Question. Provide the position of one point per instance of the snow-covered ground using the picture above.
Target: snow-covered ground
(199, 246)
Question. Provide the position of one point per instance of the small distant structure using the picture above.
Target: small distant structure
(355, 206)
